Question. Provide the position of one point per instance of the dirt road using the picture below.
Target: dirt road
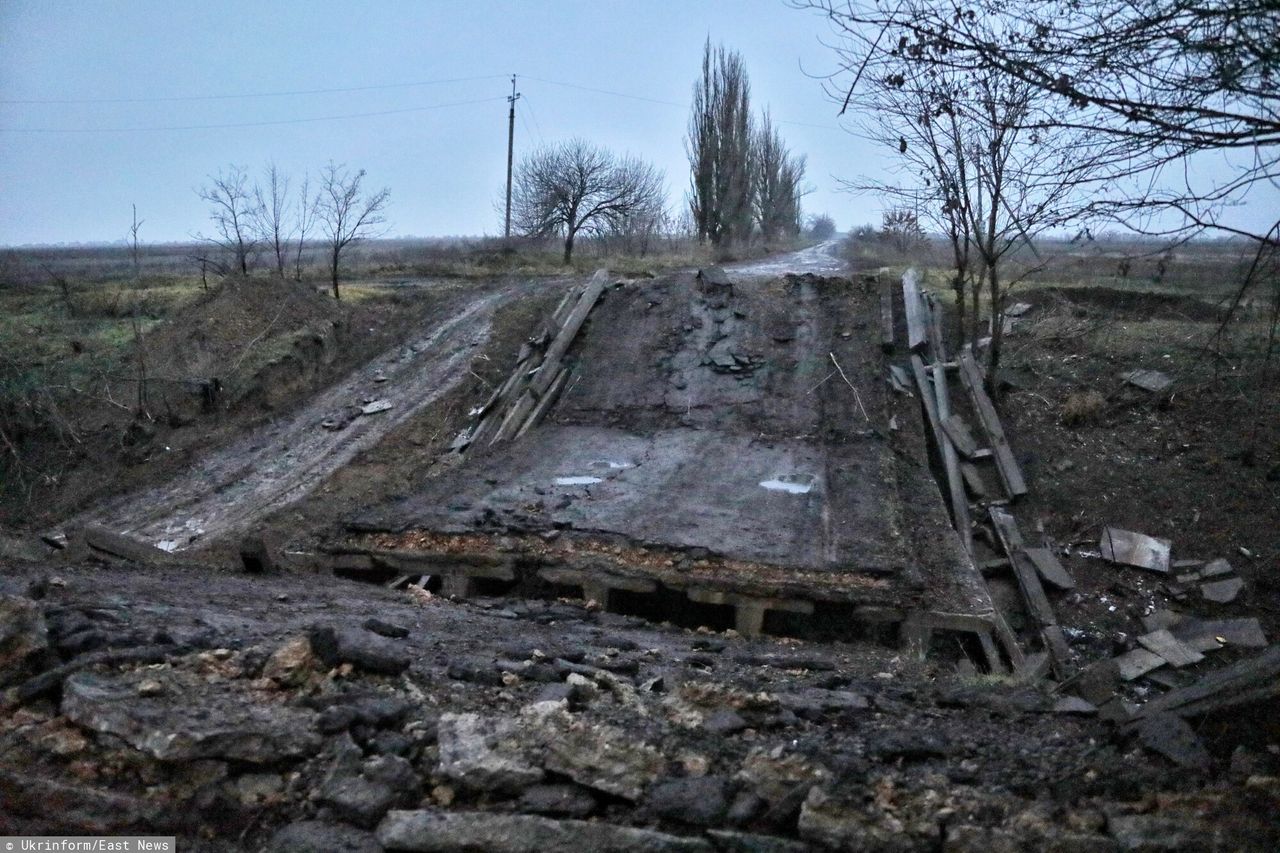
(281, 461)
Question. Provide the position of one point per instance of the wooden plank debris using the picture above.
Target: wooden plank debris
(886, 315)
(1006, 464)
(958, 431)
(1148, 380)
(1050, 569)
(1255, 679)
(917, 327)
(1169, 647)
(1033, 594)
(1135, 549)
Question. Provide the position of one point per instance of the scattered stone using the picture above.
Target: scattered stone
(699, 801)
(1223, 591)
(356, 799)
(909, 746)
(558, 801)
(316, 836)
(362, 649)
(1148, 380)
(729, 841)
(724, 722)
(484, 753)
(291, 663)
(496, 833)
(188, 721)
(375, 407)
(386, 629)
(1158, 832)
(1171, 736)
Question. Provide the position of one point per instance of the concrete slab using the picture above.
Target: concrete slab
(699, 443)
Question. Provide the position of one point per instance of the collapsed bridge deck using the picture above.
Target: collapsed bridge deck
(729, 440)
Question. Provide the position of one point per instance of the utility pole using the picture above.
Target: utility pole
(511, 142)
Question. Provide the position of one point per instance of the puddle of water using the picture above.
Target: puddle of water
(791, 488)
(577, 481)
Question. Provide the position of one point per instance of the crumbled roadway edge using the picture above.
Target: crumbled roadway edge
(280, 723)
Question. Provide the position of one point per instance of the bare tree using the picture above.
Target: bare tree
(778, 175)
(577, 188)
(133, 244)
(1160, 80)
(271, 204)
(719, 146)
(304, 221)
(820, 226)
(234, 214)
(346, 213)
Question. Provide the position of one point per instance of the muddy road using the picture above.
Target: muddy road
(280, 462)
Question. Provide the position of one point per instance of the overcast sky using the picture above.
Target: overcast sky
(138, 82)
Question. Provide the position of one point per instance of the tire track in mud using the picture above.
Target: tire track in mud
(275, 464)
(280, 462)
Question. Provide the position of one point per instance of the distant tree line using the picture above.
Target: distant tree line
(251, 218)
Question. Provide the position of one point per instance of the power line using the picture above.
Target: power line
(246, 123)
(665, 103)
(282, 94)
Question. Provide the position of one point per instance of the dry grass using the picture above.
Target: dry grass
(1082, 408)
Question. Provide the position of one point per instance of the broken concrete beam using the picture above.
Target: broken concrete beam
(958, 431)
(933, 395)
(886, 315)
(973, 480)
(1135, 549)
(1050, 569)
(105, 541)
(1033, 595)
(569, 331)
(1169, 647)
(1010, 471)
(547, 401)
(917, 326)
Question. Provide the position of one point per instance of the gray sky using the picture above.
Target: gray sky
(179, 64)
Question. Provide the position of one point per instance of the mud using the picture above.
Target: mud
(271, 466)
